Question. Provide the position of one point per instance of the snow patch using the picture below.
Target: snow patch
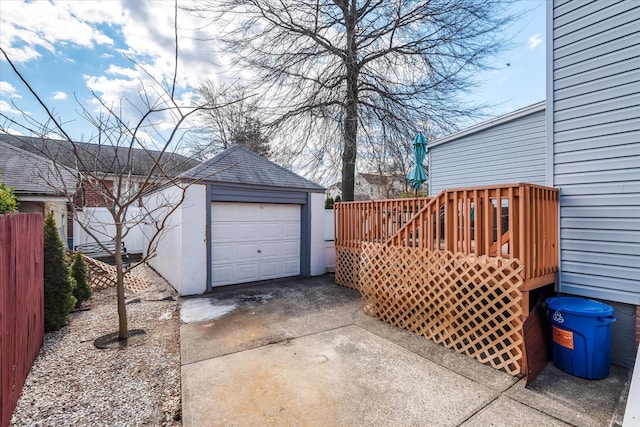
(202, 310)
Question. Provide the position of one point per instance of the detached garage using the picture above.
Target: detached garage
(243, 219)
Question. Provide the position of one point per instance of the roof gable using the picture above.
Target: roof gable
(238, 165)
(28, 173)
(102, 158)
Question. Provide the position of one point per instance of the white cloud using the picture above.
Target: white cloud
(7, 108)
(146, 28)
(100, 33)
(7, 89)
(60, 96)
(535, 40)
(27, 26)
(122, 71)
(12, 131)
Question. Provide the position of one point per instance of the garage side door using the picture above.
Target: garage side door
(254, 241)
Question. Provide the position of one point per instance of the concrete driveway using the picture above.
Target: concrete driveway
(301, 352)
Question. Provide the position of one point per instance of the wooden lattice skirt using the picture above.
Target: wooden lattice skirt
(103, 276)
(347, 266)
(467, 303)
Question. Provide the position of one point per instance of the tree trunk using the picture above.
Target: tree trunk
(123, 333)
(350, 107)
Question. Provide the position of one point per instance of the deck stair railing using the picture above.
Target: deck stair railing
(456, 268)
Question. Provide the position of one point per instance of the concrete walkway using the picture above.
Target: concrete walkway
(301, 352)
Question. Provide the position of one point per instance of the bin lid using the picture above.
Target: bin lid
(583, 306)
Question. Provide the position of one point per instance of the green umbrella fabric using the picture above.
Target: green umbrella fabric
(417, 175)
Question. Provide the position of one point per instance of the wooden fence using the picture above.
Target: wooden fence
(470, 234)
(21, 304)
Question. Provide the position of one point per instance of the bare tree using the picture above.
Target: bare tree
(236, 122)
(117, 167)
(344, 74)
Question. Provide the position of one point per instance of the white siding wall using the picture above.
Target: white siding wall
(165, 261)
(181, 256)
(194, 241)
(100, 222)
(511, 151)
(594, 62)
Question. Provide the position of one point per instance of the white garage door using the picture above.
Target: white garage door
(254, 241)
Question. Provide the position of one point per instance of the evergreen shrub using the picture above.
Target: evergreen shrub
(58, 283)
(79, 271)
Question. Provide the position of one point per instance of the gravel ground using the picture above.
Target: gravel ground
(72, 383)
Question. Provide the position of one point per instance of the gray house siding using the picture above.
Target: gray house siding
(505, 150)
(596, 146)
(593, 103)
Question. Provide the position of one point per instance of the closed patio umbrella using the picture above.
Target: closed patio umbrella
(417, 175)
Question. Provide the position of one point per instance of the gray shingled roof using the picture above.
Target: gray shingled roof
(103, 158)
(240, 166)
(30, 174)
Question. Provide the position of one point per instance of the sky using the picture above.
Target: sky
(68, 50)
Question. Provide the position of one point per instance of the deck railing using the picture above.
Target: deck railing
(464, 221)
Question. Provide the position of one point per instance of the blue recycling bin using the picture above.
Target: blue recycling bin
(581, 336)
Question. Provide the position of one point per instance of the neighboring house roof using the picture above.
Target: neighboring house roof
(381, 180)
(102, 158)
(540, 106)
(30, 174)
(238, 165)
(374, 179)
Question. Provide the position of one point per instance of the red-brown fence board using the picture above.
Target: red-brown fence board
(21, 304)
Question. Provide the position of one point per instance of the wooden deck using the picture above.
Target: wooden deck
(465, 254)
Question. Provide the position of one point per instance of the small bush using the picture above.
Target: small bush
(328, 203)
(338, 199)
(412, 194)
(58, 283)
(79, 271)
(8, 200)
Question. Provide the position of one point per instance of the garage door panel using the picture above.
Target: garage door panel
(271, 232)
(245, 252)
(253, 241)
(244, 232)
(271, 250)
(233, 232)
(270, 270)
(223, 254)
(222, 232)
(278, 213)
(223, 275)
(234, 211)
(290, 249)
(244, 211)
(291, 231)
(247, 273)
(290, 268)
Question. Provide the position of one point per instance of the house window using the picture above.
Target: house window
(371, 191)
